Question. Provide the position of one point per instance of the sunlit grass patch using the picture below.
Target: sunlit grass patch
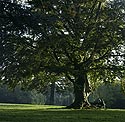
(28, 106)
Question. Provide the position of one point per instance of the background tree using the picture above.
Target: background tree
(37, 98)
(59, 92)
(111, 93)
(81, 40)
(15, 96)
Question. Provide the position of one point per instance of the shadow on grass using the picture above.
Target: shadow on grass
(61, 115)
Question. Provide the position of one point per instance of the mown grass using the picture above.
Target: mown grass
(43, 113)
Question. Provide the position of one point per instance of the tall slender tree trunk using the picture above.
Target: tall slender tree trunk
(79, 89)
(52, 93)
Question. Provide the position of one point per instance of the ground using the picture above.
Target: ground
(44, 113)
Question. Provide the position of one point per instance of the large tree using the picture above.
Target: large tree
(80, 40)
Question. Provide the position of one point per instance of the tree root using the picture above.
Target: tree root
(84, 105)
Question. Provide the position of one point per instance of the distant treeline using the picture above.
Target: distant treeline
(112, 94)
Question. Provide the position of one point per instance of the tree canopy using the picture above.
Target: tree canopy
(45, 40)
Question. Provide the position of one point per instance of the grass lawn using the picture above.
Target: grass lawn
(42, 113)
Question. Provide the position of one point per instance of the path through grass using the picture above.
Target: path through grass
(41, 113)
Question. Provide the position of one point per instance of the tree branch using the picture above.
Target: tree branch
(102, 57)
(56, 57)
(72, 80)
(98, 10)
(67, 54)
(112, 67)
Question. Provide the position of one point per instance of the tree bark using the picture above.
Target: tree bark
(79, 93)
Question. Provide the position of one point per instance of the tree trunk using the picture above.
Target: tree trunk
(52, 93)
(79, 92)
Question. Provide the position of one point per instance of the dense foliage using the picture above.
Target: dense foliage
(43, 41)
